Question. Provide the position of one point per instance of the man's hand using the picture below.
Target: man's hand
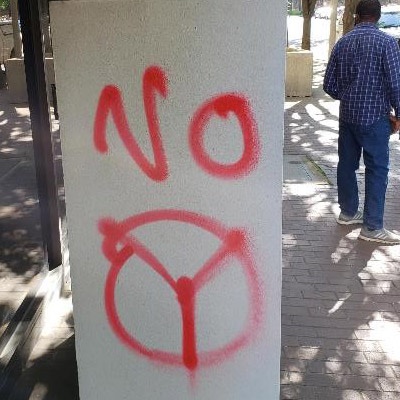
(394, 123)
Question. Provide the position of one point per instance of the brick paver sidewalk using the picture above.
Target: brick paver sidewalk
(341, 296)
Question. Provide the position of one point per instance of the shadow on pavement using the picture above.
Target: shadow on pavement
(52, 376)
(21, 250)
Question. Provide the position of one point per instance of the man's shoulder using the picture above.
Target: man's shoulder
(385, 36)
(366, 34)
(385, 40)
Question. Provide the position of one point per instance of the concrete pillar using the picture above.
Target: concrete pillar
(171, 116)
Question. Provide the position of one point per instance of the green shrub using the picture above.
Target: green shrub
(294, 12)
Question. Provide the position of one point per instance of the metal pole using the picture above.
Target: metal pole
(32, 38)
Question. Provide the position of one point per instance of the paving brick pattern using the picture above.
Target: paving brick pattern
(21, 255)
(341, 296)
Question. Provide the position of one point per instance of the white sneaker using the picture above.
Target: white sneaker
(379, 236)
(344, 219)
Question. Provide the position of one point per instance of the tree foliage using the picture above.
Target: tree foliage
(4, 4)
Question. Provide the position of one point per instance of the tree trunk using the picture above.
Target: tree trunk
(308, 7)
(348, 16)
(332, 33)
(306, 40)
(16, 30)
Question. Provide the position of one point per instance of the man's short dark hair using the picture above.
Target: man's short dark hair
(369, 9)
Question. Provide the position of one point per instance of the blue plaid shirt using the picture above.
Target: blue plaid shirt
(363, 72)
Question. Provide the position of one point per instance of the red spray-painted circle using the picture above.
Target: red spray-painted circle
(119, 245)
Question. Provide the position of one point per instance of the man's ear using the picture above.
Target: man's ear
(356, 19)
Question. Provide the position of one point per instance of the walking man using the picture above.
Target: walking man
(363, 72)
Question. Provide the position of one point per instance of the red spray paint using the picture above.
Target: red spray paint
(120, 244)
(221, 106)
(110, 102)
(155, 80)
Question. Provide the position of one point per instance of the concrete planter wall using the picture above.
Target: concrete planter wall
(16, 81)
(299, 73)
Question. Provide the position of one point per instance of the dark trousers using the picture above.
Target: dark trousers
(373, 142)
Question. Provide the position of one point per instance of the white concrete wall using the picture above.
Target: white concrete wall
(175, 244)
